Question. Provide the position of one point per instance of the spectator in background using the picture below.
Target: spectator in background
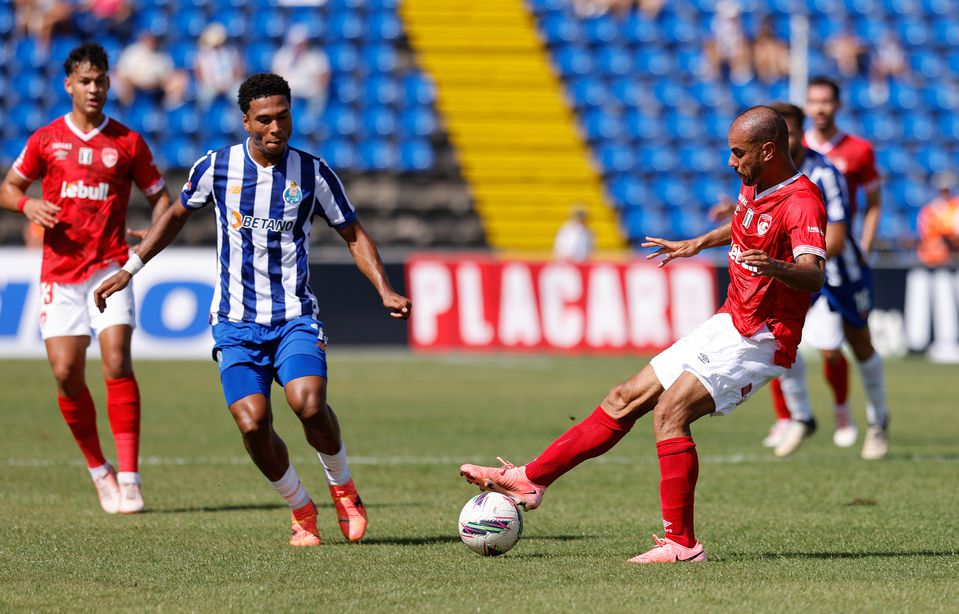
(849, 52)
(145, 67)
(729, 51)
(39, 19)
(938, 224)
(306, 69)
(574, 240)
(770, 54)
(889, 58)
(112, 15)
(218, 67)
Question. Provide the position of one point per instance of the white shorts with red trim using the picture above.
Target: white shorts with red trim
(731, 367)
(68, 310)
(824, 328)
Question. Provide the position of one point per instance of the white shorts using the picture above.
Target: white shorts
(730, 366)
(68, 310)
(824, 328)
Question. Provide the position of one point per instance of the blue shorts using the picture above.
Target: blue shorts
(853, 301)
(252, 355)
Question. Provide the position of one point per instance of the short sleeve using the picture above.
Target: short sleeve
(331, 201)
(30, 164)
(867, 175)
(806, 221)
(198, 189)
(144, 170)
(835, 194)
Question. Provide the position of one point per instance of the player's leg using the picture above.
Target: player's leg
(824, 331)
(114, 328)
(876, 441)
(65, 327)
(783, 418)
(301, 369)
(592, 437)
(796, 394)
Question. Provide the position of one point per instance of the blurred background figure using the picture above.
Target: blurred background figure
(41, 18)
(144, 67)
(218, 67)
(574, 240)
(728, 52)
(770, 53)
(938, 224)
(889, 59)
(849, 52)
(305, 68)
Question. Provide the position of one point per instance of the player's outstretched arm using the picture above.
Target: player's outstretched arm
(160, 234)
(13, 197)
(368, 261)
(807, 274)
(670, 250)
(870, 220)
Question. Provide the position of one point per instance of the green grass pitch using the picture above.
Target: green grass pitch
(822, 531)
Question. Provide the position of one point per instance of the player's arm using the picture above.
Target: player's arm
(13, 197)
(870, 219)
(806, 274)
(368, 261)
(690, 247)
(160, 234)
(159, 202)
(835, 238)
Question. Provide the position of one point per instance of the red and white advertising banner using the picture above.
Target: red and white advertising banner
(463, 303)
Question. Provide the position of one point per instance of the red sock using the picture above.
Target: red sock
(123, 407)
(837, 374)
(779, 401)
(595, 435)
(81, 416)
(678, 471)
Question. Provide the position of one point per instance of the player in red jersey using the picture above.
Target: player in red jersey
(854, 157)
(88, 163)
(776, 260)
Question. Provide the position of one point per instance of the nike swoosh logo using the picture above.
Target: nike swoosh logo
(689, 558)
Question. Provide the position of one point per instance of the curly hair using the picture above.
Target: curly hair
(91, 53)
(262, 85)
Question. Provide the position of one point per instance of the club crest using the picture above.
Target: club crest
(293, 194)
(764, 223)
(110, 156)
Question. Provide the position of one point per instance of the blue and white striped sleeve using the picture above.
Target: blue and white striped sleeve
(331, 199)
(835, 194)
(198, 189)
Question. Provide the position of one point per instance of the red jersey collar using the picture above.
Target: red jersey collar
(85, 136)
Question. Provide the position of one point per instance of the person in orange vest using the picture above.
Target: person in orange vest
(938, 224)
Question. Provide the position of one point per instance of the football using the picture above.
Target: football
(490, 524)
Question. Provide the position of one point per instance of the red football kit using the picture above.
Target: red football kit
(88, 175)
(784, 221)
(854, 158)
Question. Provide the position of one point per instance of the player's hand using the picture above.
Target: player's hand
(138, 234)
(399, 306)
(723, 210)
(41, 212)
(760, 263)
(670, 249)
(113, 284)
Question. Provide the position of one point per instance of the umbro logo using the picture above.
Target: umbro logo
(703, 359)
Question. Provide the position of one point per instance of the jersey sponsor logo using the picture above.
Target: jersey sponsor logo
(85, 156)
(735, 251)
(764, 223)
(78, 189)
(110, 157)
(816, 230)
(743, 201)
(61, 150)
(748, 218)
(293, 194)
(235, 189)
(260, 223)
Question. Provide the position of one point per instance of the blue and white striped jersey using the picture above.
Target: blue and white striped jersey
(846, 269)
(265, 215)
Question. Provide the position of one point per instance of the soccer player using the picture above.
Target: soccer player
(854, 157)
(88, 162)
(264, 314)
(776, 260)
(841, 310)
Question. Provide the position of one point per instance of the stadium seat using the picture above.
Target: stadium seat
(418, 121)
(574, 61)
(614, 158)
(378, 121)
(259, 56)
(418, 90)
(587, 92)
(384, 25)
(416, 155)
(627, 192)
(340, 153)
(343, 57)
(380, 57)
(377, 155)
(380, 89)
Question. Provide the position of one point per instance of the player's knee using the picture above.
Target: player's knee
(832, 355)
(616, 403)
(670, 416)
(69, 379)
(115, 365)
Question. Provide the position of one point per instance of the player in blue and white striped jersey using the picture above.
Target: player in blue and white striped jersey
(266, 195)
(839, 312)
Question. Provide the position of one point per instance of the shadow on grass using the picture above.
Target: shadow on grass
(448, 539)
(253, 507)
(842, 555)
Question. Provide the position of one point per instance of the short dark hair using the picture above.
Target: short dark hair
(764, 125)
(262, 85)
(826, 81)
(91, 53)
(789, 111)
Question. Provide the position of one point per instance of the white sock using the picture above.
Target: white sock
(291, 489)
(793, 384)
(874, 382)
(128, 477)
(98, 472)
(335, 467)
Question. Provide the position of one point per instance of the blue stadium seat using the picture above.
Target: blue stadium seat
(418, 121)
(700, 159)
(599, 126)
(343, 57)
(346, 25)
(183, 53)
(385, 25)
(574, 61)
(377, 155)
(346, 89)
(10, 149)
(895, 160)
(343, 121)
(183, 120)
(657, 158)
(881, 127)
(416, 155)
(614, 61)
(627, 191)
(380, 89)
(934, 158)
(339, 153)
(688, 221)
(685, 127)
(918, 127)
(600, 30)
(380, 57)
(653, 62)
(177, 152)
(587, 92)
(259, 56)
(268, 25)
(418, 90)
(615, 159)
(642, 126)
(560, 28)
(379, 121)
